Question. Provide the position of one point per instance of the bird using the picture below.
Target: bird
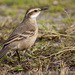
(24, 35)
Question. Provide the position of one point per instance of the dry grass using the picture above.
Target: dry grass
(54, 50)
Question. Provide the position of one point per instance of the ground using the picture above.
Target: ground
(54, 50)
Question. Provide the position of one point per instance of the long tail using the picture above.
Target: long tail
(3, 51)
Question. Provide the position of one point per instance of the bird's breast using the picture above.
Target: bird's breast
(26, 43)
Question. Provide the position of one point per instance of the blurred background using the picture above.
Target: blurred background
(54, 50)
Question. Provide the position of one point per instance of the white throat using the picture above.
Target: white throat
(34, 16)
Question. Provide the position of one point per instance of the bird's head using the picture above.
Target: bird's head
(34, 12)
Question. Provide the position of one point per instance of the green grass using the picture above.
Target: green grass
(68, 20)
(25, 4)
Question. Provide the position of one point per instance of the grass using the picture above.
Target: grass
(31, 3)
(53, 51)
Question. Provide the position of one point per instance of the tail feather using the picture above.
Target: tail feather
(3, 51)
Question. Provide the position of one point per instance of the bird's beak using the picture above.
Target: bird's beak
(42, 9)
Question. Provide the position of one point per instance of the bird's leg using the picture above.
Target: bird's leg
(25, 59)
(25, 53)
(18, 55)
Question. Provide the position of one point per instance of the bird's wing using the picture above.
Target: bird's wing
(18, 37)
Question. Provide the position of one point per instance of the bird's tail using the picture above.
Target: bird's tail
(3, 51)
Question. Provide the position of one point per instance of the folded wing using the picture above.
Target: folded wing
(18, 37)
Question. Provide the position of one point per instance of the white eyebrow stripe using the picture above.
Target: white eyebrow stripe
(33, 10)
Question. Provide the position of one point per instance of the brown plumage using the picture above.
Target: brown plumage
(24, 34)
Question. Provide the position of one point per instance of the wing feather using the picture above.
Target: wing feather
(18, 37)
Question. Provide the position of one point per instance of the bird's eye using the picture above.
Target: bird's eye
(35, 10)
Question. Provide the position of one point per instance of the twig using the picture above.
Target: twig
(73, 49)
(67, 15)
(61, 52)
(57, 34)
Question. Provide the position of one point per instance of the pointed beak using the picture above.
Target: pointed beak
(42, 9)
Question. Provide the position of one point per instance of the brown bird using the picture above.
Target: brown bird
(24, 34)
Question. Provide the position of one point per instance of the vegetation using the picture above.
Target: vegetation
(54, 50)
